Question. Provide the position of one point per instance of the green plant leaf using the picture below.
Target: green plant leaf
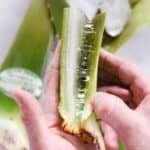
(81, 43)
(29, 50)
(56, 8)
(139, 19)
(121, 146)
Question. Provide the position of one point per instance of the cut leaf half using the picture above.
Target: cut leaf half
(81, 43)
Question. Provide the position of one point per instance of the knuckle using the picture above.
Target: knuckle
(26, 119)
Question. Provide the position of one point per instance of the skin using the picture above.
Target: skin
(42, 121)
(122, 101)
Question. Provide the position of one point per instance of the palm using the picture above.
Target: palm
(50, 105)
(70, 142)
(42, 121)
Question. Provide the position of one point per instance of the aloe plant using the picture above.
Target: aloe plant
(81, 42)
(28, 51)
(135, 22)
(32, 39)
(35, 37)
(139, 19)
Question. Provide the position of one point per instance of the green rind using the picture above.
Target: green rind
(71, 39)
(70, 44)
(29, 48)
(99, 23)
(8, 108)
(10, 111)
(56, 8)
(88, 121)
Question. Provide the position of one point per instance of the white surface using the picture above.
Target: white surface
(11, 15)
(137, 50)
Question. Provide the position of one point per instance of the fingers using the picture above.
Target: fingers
(117, 91)
(110, 137)
(51, 93)
(140, 89)
(144, 107)
(33, 119)
(118, 67)
(114, 112)
(123, 93)
(118, 70)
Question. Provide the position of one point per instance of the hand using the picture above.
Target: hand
(42, 121)
(124, 101)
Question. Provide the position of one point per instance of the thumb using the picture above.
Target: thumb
(113, 111)
(33, 119)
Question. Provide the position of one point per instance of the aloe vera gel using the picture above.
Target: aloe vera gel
(81, 43)
(117, 12)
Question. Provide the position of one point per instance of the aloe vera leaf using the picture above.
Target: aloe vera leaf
(56, 6)
(73, 22)
(139, 19)
(28, 50)
(89, 123)
(92, 127)
(121, 146)
(31, 40)
(10, 121)
(91, 85)
(133, 2)
(72, 105)
(56, 9)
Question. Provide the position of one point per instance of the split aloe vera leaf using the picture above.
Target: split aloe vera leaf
(73, 23)
(29, 50)
(89, 7)
(116, 18)
(81, 43)
(89, 123)
(139, 19)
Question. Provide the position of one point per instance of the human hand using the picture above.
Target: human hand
(130, 119)
(42, 121)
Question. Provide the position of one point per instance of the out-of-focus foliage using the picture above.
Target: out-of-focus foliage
(139, 18)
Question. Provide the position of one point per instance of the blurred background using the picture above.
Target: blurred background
(137, 49)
